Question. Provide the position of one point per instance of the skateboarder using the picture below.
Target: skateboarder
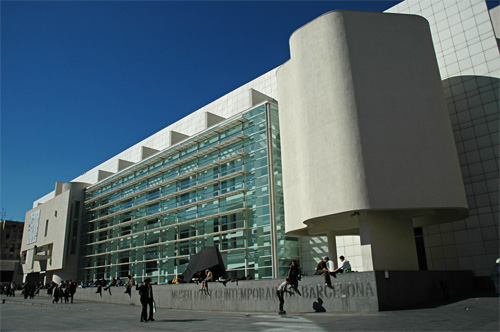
(281, 293)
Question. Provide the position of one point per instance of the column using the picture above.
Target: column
(332, 250)
(387, 243)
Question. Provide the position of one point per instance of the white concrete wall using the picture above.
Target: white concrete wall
(56, 232)
(54, 229)
(363, 120)
(315, 248)
(463, 34)
(495, 20)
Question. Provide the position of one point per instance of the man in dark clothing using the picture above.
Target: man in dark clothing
(100, 284)
(322, 268)
(26, 288)
(72, 289)
(112, 283)
(295, 274)
(146, 293)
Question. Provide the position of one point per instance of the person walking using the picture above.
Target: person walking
(56, 293)
(146, 293)
(13, 288)
(72, 289)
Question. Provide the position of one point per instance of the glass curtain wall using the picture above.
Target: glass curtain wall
(288, 247)
(211, 190)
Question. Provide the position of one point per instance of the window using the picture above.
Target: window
(46, 227)
(55, 213)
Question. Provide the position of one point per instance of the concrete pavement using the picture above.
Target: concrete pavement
(39, 314)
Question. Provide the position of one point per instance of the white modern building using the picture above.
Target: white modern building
(377, 140)
(466, 38)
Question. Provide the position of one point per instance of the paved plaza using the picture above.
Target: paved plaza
(39, 314)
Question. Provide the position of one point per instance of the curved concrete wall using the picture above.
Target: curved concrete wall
(363, 121)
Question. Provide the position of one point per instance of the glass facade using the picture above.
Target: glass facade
(220, 188)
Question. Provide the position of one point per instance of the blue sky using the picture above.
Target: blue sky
(83, 81)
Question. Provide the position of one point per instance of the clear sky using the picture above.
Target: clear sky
(83, 81)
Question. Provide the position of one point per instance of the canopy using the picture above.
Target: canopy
(207, 258)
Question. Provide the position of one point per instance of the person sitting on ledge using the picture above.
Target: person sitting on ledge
(344, 267)
(197, 277)
(204, 282)
(235, 279)
(178, 280)
(322, 268)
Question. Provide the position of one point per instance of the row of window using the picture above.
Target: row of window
(157, 238)
(258, 265)
(174, 157)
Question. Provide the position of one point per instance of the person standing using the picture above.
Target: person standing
(32, 290)
(26, 289)
(280, 292)
(56, 293)
(146, 293)
(72, 289)
(13, 288)
(295, 274)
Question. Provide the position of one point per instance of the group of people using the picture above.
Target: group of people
(322, 269)
(292, 282)
(102, 282)
(30, 289)
(65, 290)
(147, 300)
(203, 277)
(9, 289)
(295, 274)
